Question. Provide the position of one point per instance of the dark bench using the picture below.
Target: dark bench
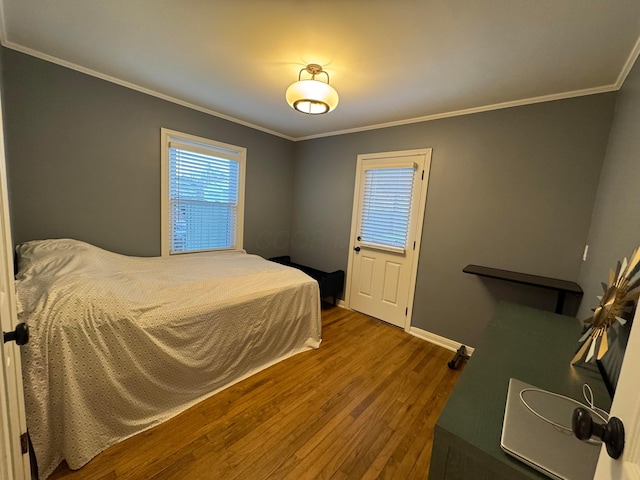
(331, 284)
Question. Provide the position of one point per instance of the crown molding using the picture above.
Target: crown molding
(3, 37)
(631, 59)
(133, 86)
(470, 111)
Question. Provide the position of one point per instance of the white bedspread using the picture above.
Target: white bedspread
(120, 344)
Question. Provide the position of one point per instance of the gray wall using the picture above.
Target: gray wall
(511, 189)
(615, 229)
(84, 161)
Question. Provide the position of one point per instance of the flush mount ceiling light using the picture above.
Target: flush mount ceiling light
(312, 96)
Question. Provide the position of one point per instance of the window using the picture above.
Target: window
(202, 194)
(386, 206)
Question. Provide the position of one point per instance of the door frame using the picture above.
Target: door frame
(625, 406)
(418, 231)
(12, 415)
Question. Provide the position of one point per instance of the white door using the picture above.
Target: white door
(626, 406)
(386, 228)
(14, 465)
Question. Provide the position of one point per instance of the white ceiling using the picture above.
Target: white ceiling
(390, 61)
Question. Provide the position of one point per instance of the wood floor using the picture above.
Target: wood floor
(363, 405)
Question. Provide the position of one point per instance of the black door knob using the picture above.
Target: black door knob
(611, 433)
(357, 249)
(20, 335)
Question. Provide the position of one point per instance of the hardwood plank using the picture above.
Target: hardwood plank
(363, 405)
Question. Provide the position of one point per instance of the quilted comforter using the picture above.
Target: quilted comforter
(120, 344)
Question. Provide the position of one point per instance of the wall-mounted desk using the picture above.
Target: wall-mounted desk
(561, 286)
(531, 345)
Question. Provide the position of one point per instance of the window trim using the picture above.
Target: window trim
(222, 150)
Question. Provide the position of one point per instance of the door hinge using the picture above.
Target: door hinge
(422, 175)
(406, 311)
(414, 245)
(24, 443)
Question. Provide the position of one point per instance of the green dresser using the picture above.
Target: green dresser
(531, 345)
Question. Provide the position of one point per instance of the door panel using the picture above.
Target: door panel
(386, 225)
(382, 290)
(390, 293)
(365, 284)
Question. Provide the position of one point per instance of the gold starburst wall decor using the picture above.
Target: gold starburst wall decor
(617, 302)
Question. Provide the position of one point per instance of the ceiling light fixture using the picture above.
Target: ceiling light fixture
(312, 96)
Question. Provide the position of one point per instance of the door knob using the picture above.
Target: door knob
(20, 335)
(357, 249)
(611, 433)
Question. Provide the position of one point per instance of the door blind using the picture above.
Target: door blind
(386, 207)
(203, 197)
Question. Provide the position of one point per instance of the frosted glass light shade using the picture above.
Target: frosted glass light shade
(312, 97)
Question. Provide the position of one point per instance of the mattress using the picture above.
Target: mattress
(120, 344)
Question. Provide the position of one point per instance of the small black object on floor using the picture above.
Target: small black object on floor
(460, 353)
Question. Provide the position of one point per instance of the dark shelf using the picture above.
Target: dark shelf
(560, 286)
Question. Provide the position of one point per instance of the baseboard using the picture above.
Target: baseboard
(438, 340)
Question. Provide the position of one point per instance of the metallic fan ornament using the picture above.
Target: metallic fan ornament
(619, 298)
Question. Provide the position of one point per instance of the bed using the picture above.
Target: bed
(120, 344)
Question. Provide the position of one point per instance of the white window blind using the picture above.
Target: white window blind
(386, 207)
(203, 199)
